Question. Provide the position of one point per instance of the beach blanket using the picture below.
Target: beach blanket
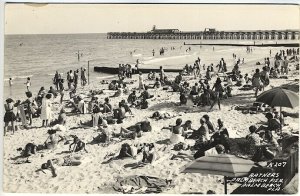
(141, 184)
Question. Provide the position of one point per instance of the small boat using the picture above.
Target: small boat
(114, 70)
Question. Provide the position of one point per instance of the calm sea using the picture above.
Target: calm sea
(39, 56)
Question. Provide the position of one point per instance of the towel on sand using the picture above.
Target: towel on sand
(146, 184)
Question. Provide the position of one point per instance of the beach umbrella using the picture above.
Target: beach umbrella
(221, 164)
(279, 97)
(293, 86)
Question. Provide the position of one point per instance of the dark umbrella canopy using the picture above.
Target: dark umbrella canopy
(279, 97)
(221, 164)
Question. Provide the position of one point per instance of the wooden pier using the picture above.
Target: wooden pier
(208, 34)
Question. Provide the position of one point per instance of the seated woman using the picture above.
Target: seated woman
(53, 139)
(145, 94)
(118, 93)
(143, 104)
(113, 85)
(107, 108)
(183, 98)
(151, 76)
(149, 155)
(132, 98)
(119, 113)
(195, 89)
(240, 81)
(61, 119)
(272, 124)
(221, 136)
(204, 98)
(187, 128)
(256, 146)
(94, 101)
(202, 133)
(126, 107)
(125, 89)
(157, 83)
(104, 135)
(177, 132)
(228, 91)
(209, 124)
(127, 151)
(78, 145)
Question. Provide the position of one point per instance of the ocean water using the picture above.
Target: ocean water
(39, 56)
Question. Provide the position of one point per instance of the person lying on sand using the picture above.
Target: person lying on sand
(129, 133)
(70, 160)
(158, 115)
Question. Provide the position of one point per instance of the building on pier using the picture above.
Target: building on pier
(208, 34)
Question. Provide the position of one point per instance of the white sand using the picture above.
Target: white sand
(94, 177)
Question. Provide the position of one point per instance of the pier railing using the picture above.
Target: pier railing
(217, 35)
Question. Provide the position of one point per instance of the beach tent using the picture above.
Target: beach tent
(221, 164)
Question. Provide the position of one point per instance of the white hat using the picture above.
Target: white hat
(104, 123)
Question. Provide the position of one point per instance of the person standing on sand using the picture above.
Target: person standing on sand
(153, 52)
(83, 77)
(141, 82)
(46, 110)
(28, 84)
(162, 74)
(76, 78)
(56, 80)
(218, 93)
(9, 116)
(256, 81)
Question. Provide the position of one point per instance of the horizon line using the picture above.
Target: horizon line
(141, 32)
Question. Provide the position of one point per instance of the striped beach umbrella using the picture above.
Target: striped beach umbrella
(222, 164)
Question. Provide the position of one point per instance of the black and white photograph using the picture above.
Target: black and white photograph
(150, 98)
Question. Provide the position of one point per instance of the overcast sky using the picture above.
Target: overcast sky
(97, 18)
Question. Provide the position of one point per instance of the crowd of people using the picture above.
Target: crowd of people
(203, 93)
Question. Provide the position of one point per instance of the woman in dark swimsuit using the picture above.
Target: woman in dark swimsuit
(9, 116)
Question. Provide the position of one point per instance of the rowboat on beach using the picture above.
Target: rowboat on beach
(115, 70)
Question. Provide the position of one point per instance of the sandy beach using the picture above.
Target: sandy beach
(92, 176)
